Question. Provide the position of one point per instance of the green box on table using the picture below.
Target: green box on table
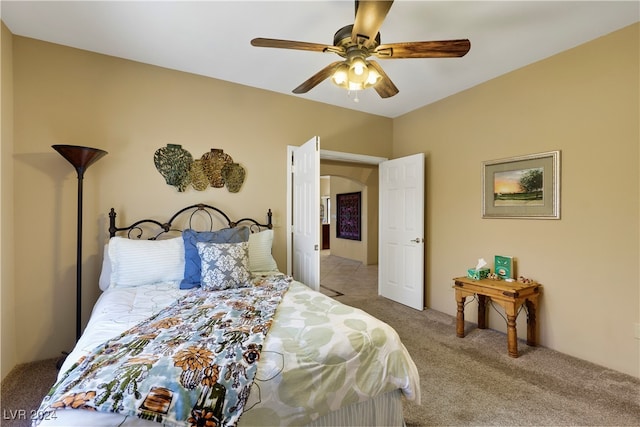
(480, 274)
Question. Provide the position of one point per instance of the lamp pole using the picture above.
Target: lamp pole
(81, 158)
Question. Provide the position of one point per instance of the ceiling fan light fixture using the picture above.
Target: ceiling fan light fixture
(355, 74)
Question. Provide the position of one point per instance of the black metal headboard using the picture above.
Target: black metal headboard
(154, 228)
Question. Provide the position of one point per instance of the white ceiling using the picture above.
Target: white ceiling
(212, 38)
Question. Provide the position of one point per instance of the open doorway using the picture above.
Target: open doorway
(344, 173)
(348, 261)
(344, 268)
(344, 210)
(400, 197)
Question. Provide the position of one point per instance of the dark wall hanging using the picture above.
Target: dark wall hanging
(348, 216)
(214, 168)
(173, 163)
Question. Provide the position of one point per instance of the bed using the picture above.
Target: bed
(196, 326)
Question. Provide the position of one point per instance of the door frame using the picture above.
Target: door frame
(340, 156)
(337, 156)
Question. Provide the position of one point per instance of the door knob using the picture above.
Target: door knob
(416, 240)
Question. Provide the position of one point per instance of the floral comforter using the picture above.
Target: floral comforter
(319, 356)
(192, 363)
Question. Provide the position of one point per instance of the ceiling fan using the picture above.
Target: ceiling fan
(356, 43)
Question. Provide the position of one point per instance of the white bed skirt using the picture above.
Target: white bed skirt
(383, 410)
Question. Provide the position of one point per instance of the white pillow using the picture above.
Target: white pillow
(144, 262)
(260, 258)
(105, 273)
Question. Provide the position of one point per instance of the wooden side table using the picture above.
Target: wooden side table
(510, 296)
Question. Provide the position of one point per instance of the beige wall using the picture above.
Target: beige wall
(584, 102)
(69, 96)
(7, 285)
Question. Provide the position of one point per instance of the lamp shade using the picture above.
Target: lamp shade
(80, 157)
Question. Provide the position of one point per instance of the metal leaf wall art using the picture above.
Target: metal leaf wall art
(173, 163)
(214, 168)
(213, 162)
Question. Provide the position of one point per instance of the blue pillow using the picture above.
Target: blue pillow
(192, 261)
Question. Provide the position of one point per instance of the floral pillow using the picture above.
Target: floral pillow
(224, 265)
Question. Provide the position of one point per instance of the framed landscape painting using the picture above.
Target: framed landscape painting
(522, 187)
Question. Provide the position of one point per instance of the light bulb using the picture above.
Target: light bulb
(373, 78)
(339, 77)
(359, 66)
(358, 72)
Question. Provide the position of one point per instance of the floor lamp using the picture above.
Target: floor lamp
(81, 158)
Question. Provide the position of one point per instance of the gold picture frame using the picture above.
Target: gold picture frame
(525, 187)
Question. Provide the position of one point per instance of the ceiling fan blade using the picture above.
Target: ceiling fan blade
(317, 78)
(432, 49)
(369, 18)
(290, 44)
(385, 87)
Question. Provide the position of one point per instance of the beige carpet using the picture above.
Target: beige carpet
(23, 389)
(472, 381)
(467, 381)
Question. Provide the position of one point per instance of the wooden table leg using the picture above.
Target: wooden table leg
(460, 316)
(532, 319)
(482, 312)
(512, 336)
(512, 333)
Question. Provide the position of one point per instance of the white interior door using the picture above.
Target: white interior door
(401, 235)
(305, 225)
